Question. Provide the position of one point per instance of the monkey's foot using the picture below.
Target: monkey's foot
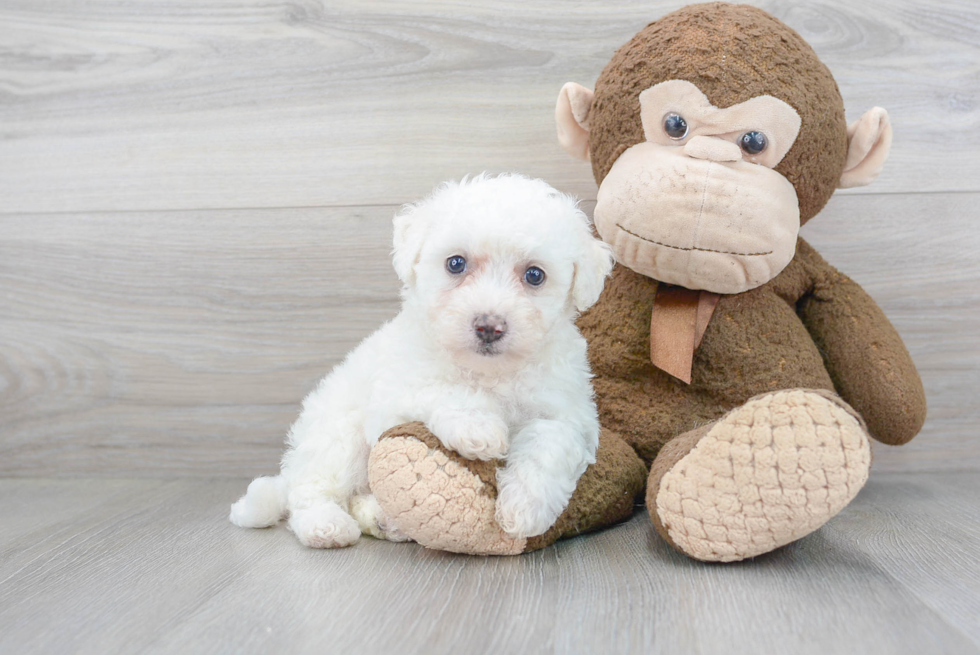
(444, 501)
(436, 497)
(764, 475)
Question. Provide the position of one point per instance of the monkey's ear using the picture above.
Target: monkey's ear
(572, 116)
(868, 141)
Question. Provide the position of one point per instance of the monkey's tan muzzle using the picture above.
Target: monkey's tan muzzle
(700, 222)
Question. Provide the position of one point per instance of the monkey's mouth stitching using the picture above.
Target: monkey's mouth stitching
(720, 252)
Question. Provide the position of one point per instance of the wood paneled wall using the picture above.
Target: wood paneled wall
(195, 200)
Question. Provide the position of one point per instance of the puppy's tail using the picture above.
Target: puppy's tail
(263, 504)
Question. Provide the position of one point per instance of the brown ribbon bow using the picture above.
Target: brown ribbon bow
(680, 317)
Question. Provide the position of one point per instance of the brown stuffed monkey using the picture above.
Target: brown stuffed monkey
(744, 370)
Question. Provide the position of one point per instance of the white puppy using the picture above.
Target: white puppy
(485, 352)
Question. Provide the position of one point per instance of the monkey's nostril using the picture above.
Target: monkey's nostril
(489, 327)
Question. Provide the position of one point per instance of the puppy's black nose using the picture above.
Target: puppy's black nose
(489, 327)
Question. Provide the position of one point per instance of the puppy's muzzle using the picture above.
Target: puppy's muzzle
(489, 328)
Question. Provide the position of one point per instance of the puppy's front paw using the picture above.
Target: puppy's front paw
(324, 525)
(476, 435)
(522, 513)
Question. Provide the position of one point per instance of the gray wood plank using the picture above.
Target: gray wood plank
(180, 343)
(111, 105)
(926, 539)
(177, 340)
(161, 570)
(38, 510)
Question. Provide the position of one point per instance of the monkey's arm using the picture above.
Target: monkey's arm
(865, 356)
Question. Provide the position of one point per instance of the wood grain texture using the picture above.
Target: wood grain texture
(122, 105)
(175, 341)
(195, 204)
(181, 343)
(154, 566)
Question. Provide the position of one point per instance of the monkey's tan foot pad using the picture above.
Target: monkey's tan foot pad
(442, 500)
(762, 476)
(436, 497)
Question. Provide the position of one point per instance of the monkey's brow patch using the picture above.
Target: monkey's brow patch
(720, 252)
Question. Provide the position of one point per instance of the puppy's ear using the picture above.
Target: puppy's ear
(410, 230)
(591, 272)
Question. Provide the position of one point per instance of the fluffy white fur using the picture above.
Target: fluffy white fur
(526, 397)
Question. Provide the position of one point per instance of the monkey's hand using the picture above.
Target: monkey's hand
(865, 356)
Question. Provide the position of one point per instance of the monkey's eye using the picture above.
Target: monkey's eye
(455, 264)
(753, 142)
(675, 126)
(534, 276)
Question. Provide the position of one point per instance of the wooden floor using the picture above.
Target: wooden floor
(195, 205)
(105, 566)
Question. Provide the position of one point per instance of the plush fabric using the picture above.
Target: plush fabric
(871, 138)
(777, 119)
(762, 435)
(765, 474)
(446, 502)
(811, 327)
(762, 56)
(644, 206)
(409, 473)
(574, 103)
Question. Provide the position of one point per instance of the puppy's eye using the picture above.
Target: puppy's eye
(534, 276)
(753, 142)
(675, 126)
(455, 264)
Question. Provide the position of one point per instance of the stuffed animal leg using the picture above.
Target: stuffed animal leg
(762, 476)
(443, 501)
